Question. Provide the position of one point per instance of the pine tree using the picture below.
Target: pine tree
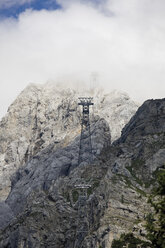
(156, 220)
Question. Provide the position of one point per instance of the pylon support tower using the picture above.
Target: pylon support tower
(83, 222)
(85, 149)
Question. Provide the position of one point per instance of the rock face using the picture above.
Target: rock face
(42, 207)
(46, 114)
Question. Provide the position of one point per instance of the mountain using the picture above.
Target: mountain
(44, 115)
(42, 208)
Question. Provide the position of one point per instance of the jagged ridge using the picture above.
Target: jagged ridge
(121, 178)
(46, 114)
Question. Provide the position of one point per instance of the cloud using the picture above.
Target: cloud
(9, 3)
(123, 41)
(69, 2)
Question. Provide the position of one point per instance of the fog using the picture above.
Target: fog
(117, 44)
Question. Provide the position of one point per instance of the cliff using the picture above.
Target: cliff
(46, 114)
(42, 207)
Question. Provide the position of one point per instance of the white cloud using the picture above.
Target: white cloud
(10, 3)
(124, 43)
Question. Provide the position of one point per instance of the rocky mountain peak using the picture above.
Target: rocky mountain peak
(46, 114)
(42, 209)
(148, 120)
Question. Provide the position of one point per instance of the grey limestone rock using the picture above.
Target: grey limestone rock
(44, 200)
(6, 214)
(46, 114)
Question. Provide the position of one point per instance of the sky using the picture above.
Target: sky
(119, 44)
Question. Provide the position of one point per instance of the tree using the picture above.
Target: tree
(155, 221)
(128, 240)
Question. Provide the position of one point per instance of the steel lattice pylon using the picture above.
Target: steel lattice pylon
(85, 155)
(85, 150)
(83, 222)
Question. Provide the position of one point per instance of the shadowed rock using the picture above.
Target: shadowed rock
(44, 199)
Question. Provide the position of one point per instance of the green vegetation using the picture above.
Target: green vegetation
(75, 192)
(153, 180)
(66, 196)
(128, 182)
(95, 184)
(114, 179)
(75, 195)
(125, 179)
(122, 199)
(155, 221)
(136, 165)
(141, 192)
(129, 241)
(130, 185)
